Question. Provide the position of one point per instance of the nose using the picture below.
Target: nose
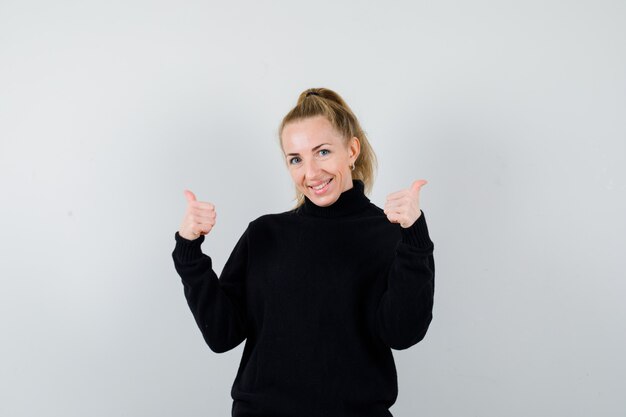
(312, 170)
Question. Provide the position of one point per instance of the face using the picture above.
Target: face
(318, 159)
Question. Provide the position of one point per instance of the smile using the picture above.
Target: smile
(322, 187)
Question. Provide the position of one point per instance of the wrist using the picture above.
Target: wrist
(188, 249)
(417, 234)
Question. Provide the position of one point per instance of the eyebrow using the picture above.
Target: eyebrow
(318, 146)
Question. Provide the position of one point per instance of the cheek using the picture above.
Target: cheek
(295, 174)
(340, 165)
(331, 164)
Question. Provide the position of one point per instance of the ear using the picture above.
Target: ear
(355, 147)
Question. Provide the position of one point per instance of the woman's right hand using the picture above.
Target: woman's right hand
(199, 218)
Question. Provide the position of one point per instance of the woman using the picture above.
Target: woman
(321, 293)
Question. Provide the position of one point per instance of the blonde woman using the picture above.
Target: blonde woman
(322, 292)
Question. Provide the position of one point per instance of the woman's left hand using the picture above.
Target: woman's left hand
(404, 206)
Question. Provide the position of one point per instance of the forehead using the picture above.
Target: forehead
(302, 135)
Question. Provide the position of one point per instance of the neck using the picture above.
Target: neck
(349, 202)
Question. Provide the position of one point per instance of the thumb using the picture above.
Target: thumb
(190, 196)
(418, 184)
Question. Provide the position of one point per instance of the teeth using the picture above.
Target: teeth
(319, 187)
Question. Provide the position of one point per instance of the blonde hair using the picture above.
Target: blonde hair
(325, 102)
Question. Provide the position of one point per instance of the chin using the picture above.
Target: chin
(324, 202)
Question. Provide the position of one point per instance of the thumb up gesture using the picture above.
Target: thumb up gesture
(199, 218)
(404, 206)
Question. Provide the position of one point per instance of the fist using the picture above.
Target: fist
(404, 206)
(199, 218)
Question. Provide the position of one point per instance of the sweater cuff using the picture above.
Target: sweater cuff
(188, 250)
(417, 234)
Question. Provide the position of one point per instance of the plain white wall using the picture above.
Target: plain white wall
(514, 111)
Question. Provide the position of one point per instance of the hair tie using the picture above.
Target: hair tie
(312, 93)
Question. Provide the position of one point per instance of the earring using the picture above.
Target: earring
(352, 167)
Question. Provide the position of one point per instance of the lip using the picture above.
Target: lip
(324, 190)
(319, 183)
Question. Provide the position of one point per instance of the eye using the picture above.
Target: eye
(324, 150)
(292, 159)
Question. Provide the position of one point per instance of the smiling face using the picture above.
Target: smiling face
(318, 158)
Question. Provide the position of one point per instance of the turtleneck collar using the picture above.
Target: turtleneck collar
(349, 201)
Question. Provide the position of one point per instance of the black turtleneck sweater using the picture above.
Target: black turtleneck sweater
(321, 295)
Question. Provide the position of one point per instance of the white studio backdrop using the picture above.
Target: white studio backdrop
(514, 111)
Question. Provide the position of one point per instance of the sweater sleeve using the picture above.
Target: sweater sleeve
(405, 309)
(217, 304)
